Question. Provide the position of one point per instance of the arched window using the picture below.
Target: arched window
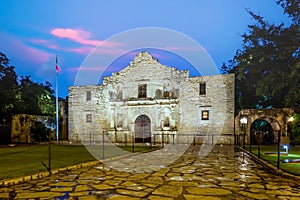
(166, 94)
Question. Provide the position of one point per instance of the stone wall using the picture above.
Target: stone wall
(276, 117)
(21, 124)
(63, 119)
(172, 103)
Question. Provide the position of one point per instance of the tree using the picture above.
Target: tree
(35, 98)
(8, 86)
(22, 96)
(291, 8)
(267, 67)
(295, 130)
(40, 132)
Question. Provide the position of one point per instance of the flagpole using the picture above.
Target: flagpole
(56, 102)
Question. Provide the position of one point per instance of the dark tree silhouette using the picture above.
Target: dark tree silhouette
(267, 67)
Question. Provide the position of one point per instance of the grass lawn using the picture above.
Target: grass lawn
(293, 153)
(25, 160)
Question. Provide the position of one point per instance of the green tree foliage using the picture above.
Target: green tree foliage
(23, 95)
(295, 130)
(8, 86)
(40, 132)
(267, 67)
(35, 98)
(291, 8)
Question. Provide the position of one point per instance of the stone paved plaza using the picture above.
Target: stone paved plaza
(222, 174)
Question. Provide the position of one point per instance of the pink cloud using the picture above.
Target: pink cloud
(20, 50)
(85, 69)
(80, 36)
(88, 49)
(104, 69)
(173, 48)
(35, 54)
(45, 43)
(181, 48)
(81, 50)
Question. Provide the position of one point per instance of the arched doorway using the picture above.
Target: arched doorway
(261, 131)
(142, 129)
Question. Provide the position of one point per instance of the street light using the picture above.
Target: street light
(243, 121)
(291, 119)
(286, 147)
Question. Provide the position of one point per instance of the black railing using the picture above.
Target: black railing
(159, 139)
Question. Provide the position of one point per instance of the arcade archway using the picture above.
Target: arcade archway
(276, 118)
(261, 132)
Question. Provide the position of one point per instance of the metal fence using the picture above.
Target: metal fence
(158, 139)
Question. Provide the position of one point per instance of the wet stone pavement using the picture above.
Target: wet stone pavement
(222, 174)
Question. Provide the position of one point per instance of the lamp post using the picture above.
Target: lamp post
(288, 128)
(243, 121)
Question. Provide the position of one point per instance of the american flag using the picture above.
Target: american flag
(57, 67)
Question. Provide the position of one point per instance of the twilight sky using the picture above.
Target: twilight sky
(33, 32)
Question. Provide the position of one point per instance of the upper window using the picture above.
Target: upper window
(205, 115)
(202, 88)
(142, 91)
(88, 95)
(88, 117)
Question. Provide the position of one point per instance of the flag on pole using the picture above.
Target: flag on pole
(57, 67)
(56, 99)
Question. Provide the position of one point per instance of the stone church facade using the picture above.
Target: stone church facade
(147, 101)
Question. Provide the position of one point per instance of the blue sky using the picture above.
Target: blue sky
(33, 32)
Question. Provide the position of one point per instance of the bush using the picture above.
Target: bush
(40, 132)
(295, 130)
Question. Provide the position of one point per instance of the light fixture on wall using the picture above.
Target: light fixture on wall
(291, 119)
(243, 121)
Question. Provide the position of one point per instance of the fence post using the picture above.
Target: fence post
(103, 145)
(194, 140)
(173, 139)
(49, 154)
(90, 137)
(133, 143)
(278, 149)
(258, 149)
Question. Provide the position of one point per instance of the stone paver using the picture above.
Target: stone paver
(222, 174)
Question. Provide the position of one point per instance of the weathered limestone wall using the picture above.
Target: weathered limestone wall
(21, 124)
(79, 107)
(276, 117)
(172, 98)
(218, 100)
(63, 119)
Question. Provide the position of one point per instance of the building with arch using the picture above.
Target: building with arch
(148, 101)
(276, 118)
